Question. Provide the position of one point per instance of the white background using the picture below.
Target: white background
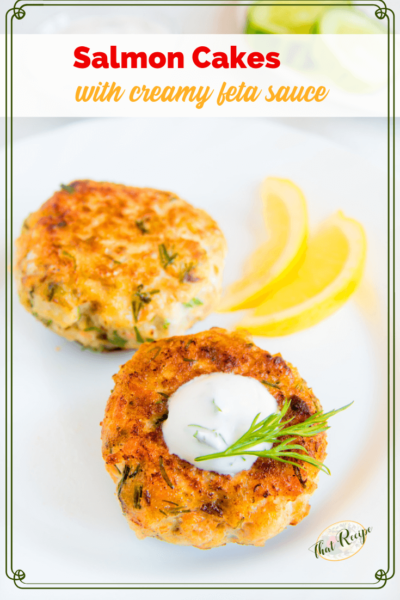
(364, 136)
(62, 162)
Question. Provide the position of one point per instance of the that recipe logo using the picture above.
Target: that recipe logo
(340, 541)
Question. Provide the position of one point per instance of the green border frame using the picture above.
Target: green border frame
(18, 576)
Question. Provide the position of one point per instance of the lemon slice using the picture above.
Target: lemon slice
(285, 215)
(329, 274)
(284, 19)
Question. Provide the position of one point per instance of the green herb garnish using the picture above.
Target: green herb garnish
(160, 419)
(185, 273)
(274, 385)
(164, 473)
(99, 349)
(166, 324)
(137, 495)
(139, 338)
(178, 511)
(68, 188)
(121, 482)
(193, 302)
(141, 224)
(272, 428)
(135, 472)
(165, 258)
(117, 340)
(140, 299)
(65, 253)
(216, 406)
(200, 427)
(136, 308)
(46, 322)
(156, 353)
(51, 291)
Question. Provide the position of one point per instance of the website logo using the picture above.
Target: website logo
(340, 541)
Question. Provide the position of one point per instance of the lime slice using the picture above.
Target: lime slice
(347, 20)
(284, 19)
(357, 65)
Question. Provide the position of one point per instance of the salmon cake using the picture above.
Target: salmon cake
(111, 266)
(168, 498)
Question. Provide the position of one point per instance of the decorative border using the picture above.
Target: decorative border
(18, 576)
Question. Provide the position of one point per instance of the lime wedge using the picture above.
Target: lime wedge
(357, 65)
(284, 19)
(347, 20)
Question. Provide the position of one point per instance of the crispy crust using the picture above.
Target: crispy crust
(166, 497)
(109, 265)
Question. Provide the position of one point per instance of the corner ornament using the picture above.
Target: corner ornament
(18, 12)
(19, 575)
(381, 12)
(381, 575)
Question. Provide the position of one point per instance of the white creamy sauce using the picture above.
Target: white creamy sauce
(211, 412)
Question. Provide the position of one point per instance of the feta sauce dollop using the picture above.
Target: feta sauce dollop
(211, 412)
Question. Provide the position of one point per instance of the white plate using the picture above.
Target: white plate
(68, 526)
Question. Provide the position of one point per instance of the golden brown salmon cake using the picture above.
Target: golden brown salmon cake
(166, 497)
(111, 266)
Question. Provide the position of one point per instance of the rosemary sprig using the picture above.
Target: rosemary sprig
(165, 258)
(272, 428)
(164, 474)
(141, 298)
(123, 479)
(137, 496)
(185, 273)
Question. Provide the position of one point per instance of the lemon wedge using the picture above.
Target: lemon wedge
(285, 216)
(330, 272)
